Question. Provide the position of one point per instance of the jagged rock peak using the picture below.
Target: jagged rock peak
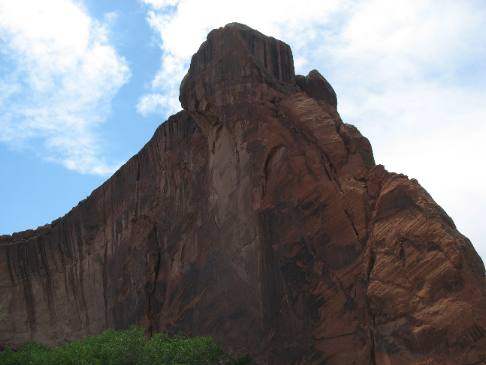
(237, 64)
(317, 87)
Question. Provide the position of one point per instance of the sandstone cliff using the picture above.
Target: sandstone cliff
(257, 216)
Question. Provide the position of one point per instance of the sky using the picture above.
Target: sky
(85, 83)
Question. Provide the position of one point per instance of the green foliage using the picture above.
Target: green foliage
(128, 347)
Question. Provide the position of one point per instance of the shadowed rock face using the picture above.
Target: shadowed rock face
(257, 216)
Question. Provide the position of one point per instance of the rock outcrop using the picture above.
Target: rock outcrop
(257, 216)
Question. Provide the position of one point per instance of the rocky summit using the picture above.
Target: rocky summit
(257, 216)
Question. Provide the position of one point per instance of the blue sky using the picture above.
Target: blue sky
(84, 84)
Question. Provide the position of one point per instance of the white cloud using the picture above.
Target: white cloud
(159, 4)
(150, 103)
(403, 71)
(60, 74)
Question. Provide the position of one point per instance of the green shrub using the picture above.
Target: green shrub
(128, 347)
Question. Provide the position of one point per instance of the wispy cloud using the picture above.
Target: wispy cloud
(409, 73)
(58, 75)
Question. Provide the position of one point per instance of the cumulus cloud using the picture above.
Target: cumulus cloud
(409, 73)
(59, 74)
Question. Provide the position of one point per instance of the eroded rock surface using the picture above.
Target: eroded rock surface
(257, 216)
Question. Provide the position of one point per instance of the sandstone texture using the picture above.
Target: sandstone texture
(257, 216)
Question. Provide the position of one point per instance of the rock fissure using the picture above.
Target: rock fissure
(105, 264)
(373, 344)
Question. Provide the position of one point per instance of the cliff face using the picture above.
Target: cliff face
(257, 216)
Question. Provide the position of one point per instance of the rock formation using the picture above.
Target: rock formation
(257, 216)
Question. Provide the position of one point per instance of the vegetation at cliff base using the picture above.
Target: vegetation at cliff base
(128, 347)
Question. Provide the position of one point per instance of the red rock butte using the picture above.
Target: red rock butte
(254, 215)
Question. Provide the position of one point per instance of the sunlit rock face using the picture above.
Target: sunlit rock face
(257, 216)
